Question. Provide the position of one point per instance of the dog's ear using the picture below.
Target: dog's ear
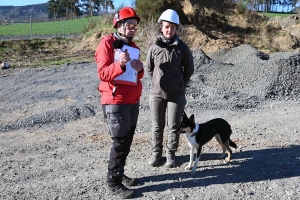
(192, 118)
(184, 115)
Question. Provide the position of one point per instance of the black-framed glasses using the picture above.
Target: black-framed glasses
(131, 26)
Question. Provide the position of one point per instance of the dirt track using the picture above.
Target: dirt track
(54, 144)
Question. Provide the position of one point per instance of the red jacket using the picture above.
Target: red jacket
(108, 70)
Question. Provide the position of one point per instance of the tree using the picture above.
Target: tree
(63, 8)
(53, 8)
(92, 7)
(107, 4)
(88, 6)
(74, 8)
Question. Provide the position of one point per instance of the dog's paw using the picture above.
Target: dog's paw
(188, 167)
(226, 161)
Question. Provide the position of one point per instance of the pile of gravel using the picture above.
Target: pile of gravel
(236, 78)
(243, 77)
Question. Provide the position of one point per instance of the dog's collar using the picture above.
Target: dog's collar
(196, 129)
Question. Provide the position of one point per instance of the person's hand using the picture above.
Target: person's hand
(137, 65)
(124, 58)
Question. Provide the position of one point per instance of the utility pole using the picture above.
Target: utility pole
(30, 29)
(63, 26)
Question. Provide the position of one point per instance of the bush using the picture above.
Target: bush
(149, 10)
(241, 7)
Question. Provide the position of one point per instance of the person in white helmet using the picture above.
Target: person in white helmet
(170, 65)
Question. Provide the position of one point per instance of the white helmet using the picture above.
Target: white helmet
(170, 16)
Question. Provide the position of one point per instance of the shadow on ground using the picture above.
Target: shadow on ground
(249, 166)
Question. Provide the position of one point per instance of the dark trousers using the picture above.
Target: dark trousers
(121, 120)
(119, 152)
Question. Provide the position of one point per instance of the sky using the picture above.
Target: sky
(117, 3)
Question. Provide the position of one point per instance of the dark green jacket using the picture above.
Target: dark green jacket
(170, 67)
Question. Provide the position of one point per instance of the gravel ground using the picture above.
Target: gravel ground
(54, 143)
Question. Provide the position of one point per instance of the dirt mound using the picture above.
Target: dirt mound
(217, 24)
(195, 12)
(212, 25)
(196, 39)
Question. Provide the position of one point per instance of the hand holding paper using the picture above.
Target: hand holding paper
(129, 77)
(137, 65)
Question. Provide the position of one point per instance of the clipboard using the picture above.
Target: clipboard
(130, 76)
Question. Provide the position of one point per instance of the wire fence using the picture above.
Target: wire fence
(48, 29)
(30, 37)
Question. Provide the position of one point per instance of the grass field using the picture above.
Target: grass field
(275, 14)
(67, 26)
(45, 28)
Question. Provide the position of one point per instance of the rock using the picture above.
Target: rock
(5, 65)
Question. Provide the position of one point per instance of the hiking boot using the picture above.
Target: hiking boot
(155, 159)
(170, 162)
(121, 191)
(117, 188)
(128, 181)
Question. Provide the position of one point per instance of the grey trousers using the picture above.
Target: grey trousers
(166, 112)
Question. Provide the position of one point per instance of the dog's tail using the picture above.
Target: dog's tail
(232, 144)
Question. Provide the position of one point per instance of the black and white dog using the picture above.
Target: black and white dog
(199, 134)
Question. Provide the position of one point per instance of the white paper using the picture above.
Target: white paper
(130, 75)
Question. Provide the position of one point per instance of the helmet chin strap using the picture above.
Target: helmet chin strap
(127, 38)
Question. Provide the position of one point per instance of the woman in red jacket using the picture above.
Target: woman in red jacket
(120, 99)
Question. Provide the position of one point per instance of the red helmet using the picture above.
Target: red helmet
(124, 13)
